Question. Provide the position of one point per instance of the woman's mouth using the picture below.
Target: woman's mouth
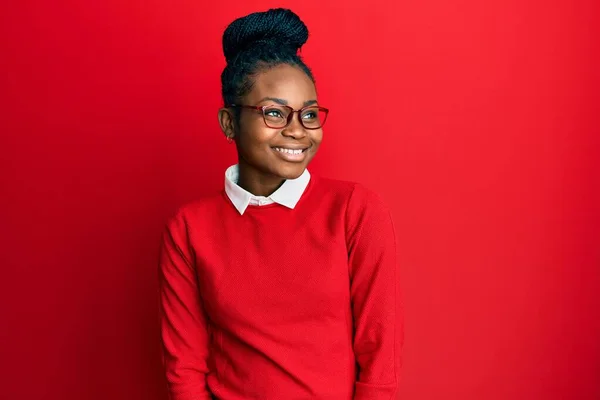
(292, 155)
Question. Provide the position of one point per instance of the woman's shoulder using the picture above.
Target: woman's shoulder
(351, 190)
(362, 207)
(335, 186)
(352, 198)
(204, 206)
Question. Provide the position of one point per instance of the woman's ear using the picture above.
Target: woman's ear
(227, 122)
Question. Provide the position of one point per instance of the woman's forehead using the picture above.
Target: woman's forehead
(283, 82)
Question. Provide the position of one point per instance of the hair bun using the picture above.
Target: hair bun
(276, 27)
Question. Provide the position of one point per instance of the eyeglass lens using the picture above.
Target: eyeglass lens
(277, 116)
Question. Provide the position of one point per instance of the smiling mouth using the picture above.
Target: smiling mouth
(291, 155)
(283, 150)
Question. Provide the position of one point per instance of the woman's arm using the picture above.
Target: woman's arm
(374, 292)
(183, 323)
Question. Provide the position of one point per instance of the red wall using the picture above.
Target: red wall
(477, 121)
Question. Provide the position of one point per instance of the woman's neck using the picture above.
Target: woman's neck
(257, 182)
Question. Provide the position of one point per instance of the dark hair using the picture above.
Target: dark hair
(257, 42)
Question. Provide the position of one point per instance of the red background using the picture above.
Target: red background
(477, 121)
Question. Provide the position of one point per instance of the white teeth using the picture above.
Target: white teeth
(288, 151)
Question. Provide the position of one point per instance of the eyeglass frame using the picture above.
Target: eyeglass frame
(289, 117)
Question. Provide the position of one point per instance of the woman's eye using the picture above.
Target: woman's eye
(273, 113)
(309, 115)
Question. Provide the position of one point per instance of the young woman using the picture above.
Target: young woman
(284, 285)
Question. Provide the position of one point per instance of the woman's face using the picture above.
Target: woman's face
(257, 144)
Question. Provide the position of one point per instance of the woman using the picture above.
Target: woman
(282, 286)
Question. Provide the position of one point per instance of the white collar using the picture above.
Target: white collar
(287, 195)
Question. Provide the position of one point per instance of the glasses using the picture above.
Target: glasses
(278, 117)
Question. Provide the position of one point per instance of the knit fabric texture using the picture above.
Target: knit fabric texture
(282, 303)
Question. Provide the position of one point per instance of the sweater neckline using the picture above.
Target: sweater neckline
(252, 207)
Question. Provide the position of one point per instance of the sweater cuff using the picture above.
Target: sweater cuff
(200, 394)
(368, 391)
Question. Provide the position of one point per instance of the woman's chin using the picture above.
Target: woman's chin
(291, 171)
(290, 175)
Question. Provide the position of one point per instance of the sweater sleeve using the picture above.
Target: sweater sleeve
(374, 295)
(183, 323)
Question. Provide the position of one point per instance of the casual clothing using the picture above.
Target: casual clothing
(295, 299)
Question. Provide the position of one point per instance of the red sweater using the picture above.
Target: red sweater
(282, 303)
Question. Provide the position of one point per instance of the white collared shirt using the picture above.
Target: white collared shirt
(287, 195)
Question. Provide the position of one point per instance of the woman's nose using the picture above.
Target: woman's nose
(295, 128)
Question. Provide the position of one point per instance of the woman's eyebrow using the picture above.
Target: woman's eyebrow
(276, 100)
(285, 102)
